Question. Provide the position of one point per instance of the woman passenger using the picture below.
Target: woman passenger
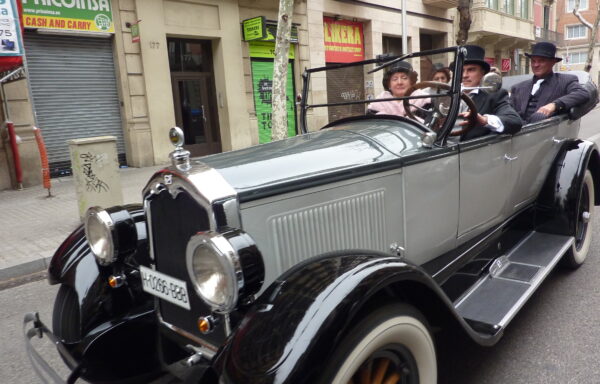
(396, 81)
(441, 75)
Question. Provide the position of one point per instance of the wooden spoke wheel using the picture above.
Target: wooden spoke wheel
(392, 345)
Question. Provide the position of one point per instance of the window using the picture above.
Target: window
(509, 7)
(492, 4)
(525, 9)
(576, 31)
(583, 5)
(576, 58)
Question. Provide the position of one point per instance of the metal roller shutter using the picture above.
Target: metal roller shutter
(345, 84)
(74, 92)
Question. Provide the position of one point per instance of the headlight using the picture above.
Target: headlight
(224, 268)
(109, 233)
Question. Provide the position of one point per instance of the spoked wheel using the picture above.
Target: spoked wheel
(575, 256)
(390, 346)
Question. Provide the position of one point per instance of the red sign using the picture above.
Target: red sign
(505, 65)
(343, 41)
(490, 60)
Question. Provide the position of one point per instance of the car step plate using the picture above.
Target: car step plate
(498, 296)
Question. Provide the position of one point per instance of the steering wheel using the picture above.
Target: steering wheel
(439, 108)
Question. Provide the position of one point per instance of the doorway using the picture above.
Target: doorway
(194, 95)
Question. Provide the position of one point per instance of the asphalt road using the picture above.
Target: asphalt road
(554, 339)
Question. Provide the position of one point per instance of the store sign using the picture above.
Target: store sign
(344, 41)
(490, 60)
(10, 30)
(262, 86)
(69, 15)
(266, 50)
(254, 28)
(135, 32)
(505, 65)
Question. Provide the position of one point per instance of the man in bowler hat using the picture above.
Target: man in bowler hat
(494, 112)
(547, 93)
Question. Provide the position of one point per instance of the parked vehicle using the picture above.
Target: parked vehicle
(330, 255)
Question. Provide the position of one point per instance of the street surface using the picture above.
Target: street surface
(554, 339)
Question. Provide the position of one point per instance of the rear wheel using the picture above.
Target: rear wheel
(576, 255)
(65, 316)
(392, 345)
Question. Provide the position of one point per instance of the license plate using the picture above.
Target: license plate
(166, 287)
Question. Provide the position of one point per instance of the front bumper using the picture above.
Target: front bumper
(32, 327)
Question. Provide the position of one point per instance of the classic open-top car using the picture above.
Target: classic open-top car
(329, 256)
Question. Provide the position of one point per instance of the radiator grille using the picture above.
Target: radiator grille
(174, 221)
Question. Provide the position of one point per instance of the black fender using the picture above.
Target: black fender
(556, 205)
(74, 265)
(288, 335)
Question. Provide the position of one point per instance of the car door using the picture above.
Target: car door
(533, 149)
(485, 165)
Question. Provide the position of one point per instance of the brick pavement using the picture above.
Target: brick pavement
(33, 225)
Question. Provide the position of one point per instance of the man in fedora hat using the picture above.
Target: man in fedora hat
(494, 112)
(547, 93)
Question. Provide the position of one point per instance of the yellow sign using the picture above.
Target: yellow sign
(254, 28)
(266, 49)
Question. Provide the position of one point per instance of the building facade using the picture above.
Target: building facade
(152, 64)
(574, 46)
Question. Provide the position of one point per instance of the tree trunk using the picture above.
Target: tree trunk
(280, 67)
(464, 24)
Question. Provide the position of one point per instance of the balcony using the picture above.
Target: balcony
(543, 34)
(447, 4)
(495, 20)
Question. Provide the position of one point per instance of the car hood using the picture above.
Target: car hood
(344, 151)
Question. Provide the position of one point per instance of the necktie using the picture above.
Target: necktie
(536, 86)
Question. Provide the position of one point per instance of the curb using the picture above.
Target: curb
(24, 269)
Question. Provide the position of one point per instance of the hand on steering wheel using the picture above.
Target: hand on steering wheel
(440, 109)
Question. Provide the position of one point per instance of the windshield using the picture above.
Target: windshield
(417, 86)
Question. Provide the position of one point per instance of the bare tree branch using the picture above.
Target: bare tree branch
(593, 32)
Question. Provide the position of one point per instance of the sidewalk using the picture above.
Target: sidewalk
(32, 225)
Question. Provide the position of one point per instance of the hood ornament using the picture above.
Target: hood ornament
(180, 158)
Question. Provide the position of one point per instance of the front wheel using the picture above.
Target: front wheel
(576, 255)
(392, 345)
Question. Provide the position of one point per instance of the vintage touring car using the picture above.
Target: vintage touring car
(329, 256)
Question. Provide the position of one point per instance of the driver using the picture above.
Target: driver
(495, 114)
(396, 81)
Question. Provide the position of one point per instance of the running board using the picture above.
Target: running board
(497, 297)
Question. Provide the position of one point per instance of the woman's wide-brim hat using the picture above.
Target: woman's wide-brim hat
(544, 49)
(475, 55)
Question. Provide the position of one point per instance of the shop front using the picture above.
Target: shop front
(71, 71)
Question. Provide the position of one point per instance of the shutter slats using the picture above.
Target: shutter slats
(74, 90)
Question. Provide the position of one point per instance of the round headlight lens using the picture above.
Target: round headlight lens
(211, 271)
(98, 231)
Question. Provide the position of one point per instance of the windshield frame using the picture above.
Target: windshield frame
(384, 62)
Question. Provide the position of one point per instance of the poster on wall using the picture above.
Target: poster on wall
(73, 15)
(262, 85)
(10, 30)
(344, 41)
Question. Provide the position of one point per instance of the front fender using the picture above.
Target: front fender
(74, 265)
(296, 324)
(557, 202)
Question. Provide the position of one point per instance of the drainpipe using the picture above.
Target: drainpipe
(404, 29)
(15, 152)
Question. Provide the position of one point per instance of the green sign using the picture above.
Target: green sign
(272, 32)
(72, 15)
(135, 33)
(262, 84)
(266, 50)
(254, 28)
